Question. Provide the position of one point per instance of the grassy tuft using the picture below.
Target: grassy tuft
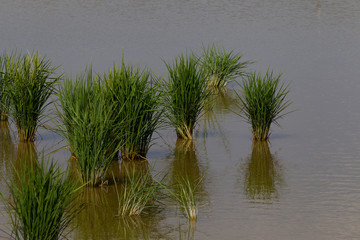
(32, 82)
(136, 98)
(186, 94)
(87, 124)
(222, 66)
(41, 204)
(264, 101)
(138, 194)
(4, 83)
(184, 194)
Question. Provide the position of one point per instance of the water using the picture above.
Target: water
(311, 190)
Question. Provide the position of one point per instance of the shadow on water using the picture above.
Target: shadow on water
(263, 174)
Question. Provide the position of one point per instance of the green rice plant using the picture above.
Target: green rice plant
(32, 81)
(87, 124)
(186, 94)
(135, 95)
(264, 101)
(4, 83)
(222, 66)
(41, 201)
(138, 194)
(184, 194)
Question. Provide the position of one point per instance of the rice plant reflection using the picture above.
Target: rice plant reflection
(186, 165)
(263, 174)
(7, 154)
(7, 146)
(100, 220)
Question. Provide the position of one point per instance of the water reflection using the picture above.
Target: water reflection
(7, 154)
(186, 231)
(25, 154)
(185, 165)
(263, 174)
(7, 147)
(188, 174)
(133, 169)
(219, 105)
(99, 219)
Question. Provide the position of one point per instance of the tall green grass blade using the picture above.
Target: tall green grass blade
(135, 95)
(88, 126)
(264, 101)
(186, 94)
(183, 192)
(32, 80)
(41, 204)
(222, 66)
(4, 83)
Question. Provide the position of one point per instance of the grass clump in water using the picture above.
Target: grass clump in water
(264, 101)
(87, 124)
(41, 204)
(135, 95)
(184, 194)
(138, 194)
(186, 94)
(222, 66)
(4, 83)
(32, 82)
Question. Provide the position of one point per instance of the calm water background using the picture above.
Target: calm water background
(314, 189)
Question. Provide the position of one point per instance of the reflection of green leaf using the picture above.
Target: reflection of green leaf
(187, 185)
(263, 173)
(7, 147)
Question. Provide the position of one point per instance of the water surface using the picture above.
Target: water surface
(303, 185)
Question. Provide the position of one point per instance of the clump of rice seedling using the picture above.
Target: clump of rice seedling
(87, 124)
(138, 194)
(264, 101)
(135, 95)
(41, 204)
(186, 94)
(32, 82)
(184, 194)
(222, 66)
(4, 83)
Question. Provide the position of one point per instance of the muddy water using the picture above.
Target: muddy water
(303, 185)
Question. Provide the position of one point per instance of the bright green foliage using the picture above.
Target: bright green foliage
(42, 201)
(222, 66)
(86, 123)
(186, 94)
(136, 99)
(4, 83)
(31, 84)
(264, 101)
(138, 195)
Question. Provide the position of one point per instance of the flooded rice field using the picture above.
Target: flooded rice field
(303, 184)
